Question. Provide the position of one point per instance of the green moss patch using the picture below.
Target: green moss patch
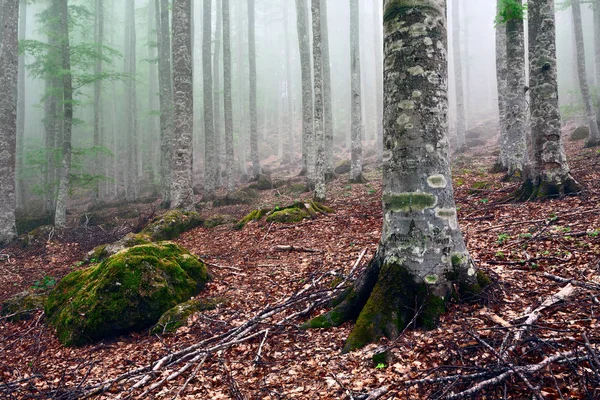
(580, 133)
(290, 214)
(263, 182)
(172, 224)
(104, 251)
(22, 306)
(219, 219)
(128, 291)
(411, 201)
(178, 316)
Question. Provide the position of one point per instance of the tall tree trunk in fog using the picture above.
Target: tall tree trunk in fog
(307, 91)
(182, 193)
(132, 187)
(501, 79)
(548, 174)
(320, 190)
(60, 216)
(228, 108)
(594, 138)
(378, 49)
(165, 84)
(288, 152)
(241, 103)
(461, 125)
(21, 108)
(596, 7)
(217, 91)
(516, 151)
(356, 112)
(9, 72)
(253, 116)
(327, 107)
(99, 39)
(422, 254)
(153, 128)
(209, 127)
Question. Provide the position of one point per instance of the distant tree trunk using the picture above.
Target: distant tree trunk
(461, 126)
(21, 109)
(132, 188)
(288, 154)
(356, 111)
(60, 217)
(466, 54)
(165, 83)
(209, 127)
(501, 79)
(217, 90)
(307, 91)
(594, 139)
(378, 49)
(50, 112)
(228, 108)
(327, 108)
(242, 139)
(597, 46)
(99, 39)
(9, 72)
(182, 193)
(548, 174)
(153, 127)
(253, 116)
(422, 256)
(320, 190)
(516, 151)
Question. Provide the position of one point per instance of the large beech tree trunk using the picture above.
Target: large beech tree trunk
(228, 107)
(210, 178)
(21, 109)
(132, 187)
(288, 152)
(421, 255)
(327, 105)
(549, 171)
(217, 89)
(501, 76)
(356, 105)
(252, 68)
(99, 39)
(9, 61)
(320, 191)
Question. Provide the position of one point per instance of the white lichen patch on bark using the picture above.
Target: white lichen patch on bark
(437, 181)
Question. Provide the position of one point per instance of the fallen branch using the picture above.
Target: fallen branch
(293, 248)
(573, 282)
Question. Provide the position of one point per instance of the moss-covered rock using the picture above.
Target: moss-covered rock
(253, 215)
(288, 215)
(178, 316)
(172, 224)
(22, 305)
(343, 167)
(263, 182)
(242, 196)
(580, 133)
(219, 219)
(27, 223)
(38, 236)
(296, 188)
(102, 252)
(128, 291)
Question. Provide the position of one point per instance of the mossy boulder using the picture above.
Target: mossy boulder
(178, 316)
(38, 236)
(172, 224)
(102, 252)
(290, 214)
(253, 215)
(263, 182)
(23, 305)
(243, 196)
(129, 291)
(219, 219)
(580, 133)
(27, 223)
(296, 188)
(343, 167)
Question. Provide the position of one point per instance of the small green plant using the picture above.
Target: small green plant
(594, 233)
(553, 217)
(380, 366)
(47, 282)
(484, 201)
(500, 254)
(502, 238)
(525, 235)
(564, 229)
(534, 266)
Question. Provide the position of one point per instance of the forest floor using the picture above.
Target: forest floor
(516, 244)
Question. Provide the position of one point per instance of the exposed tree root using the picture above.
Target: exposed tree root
(358, 179)
(535, 189)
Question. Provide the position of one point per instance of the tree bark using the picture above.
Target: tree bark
(182, 193)
(421, 256)
(288, 155)
(9, 72)
(461, 126)
(21, 108)
(132, 187)
(596, 6)
(217, 90)
(228, 108)
(356, 105)
(242, 104)
(378, 49)
(320, 190)
(327, 106)
(501, 79)
(252, 76)
(60, 216)
(153, 127)
(209, 127)
(99, 39)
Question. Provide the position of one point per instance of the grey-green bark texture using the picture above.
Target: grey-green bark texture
(132, 186)
(378, 49)
(99, 39)
(327, 105)
(21, 108)
(210, 180)
(308, 160)
(153, 127)
(252, 76)
(319, 193)
(228, 107)
(594, 138)
(548, 173)
(217, 89)
(356, 105)
(9, 61)
(597, 48)
(516, 107)
(60, 216)
(501, 79)
(288, 150)
(165, 87)
(182, 193)
(242, 87)
(422, 254)
(461, 125)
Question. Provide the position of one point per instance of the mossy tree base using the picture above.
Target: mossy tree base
(358, 179)
(498, 168)
(533, 189)
(592, 143)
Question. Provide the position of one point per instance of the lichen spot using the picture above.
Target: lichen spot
(407, 104)
(410, 201)
(429, 148)
(449, 214)
(416, 94)
(402, 120)
(418, 29)
(428, 41)
(431, 279)
(437, 181)
(471, 271)
(416, 70)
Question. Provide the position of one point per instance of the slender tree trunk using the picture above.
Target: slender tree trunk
(60, 217)
(209, 127)
(461, 126)
(217, 91)
(356, 106)
(21, 109)
(378, 49)
(501, 79)
(253, 116)
(516, 150)
(327, 108)
(288, 153)
(99, 39)
(49, 143)
(548, 174)
(466, 55)
(228, 108)
(132, 188)
(308, 162)
(242, 139)
(153, 127)
(422, 255)
(9, 72)
(182, 193)
(597, 47)
(320, 190)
